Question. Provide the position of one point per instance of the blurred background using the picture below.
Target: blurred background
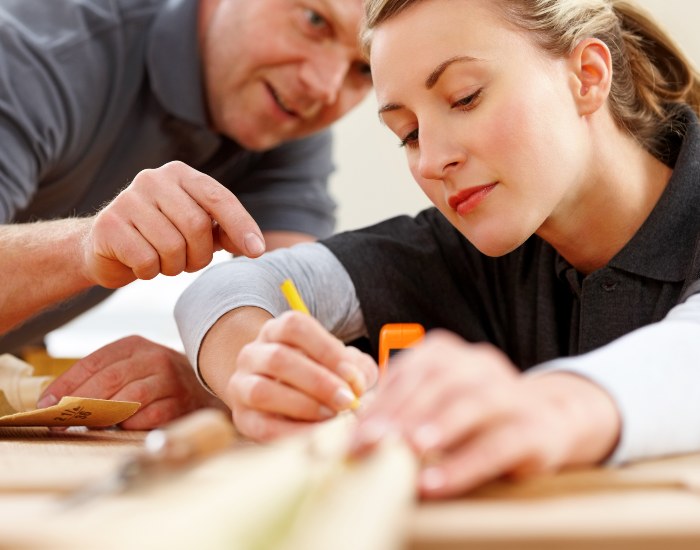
(371, 183)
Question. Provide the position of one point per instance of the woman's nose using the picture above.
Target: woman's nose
(438, 155)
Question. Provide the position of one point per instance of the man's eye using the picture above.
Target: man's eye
(364, 69)
(315, 19)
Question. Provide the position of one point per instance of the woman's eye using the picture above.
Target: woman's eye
(411, 140)
(468, 102)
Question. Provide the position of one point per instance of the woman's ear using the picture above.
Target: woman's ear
(591, 66)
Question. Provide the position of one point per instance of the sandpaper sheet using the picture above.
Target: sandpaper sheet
(20, 390)
(71, 411)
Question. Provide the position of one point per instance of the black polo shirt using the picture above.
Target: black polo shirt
(531, 303)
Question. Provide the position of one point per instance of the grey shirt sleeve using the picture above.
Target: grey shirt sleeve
(322, 281)
(653, 375)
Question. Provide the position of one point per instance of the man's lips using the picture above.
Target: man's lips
(280, 102)
(467, 200)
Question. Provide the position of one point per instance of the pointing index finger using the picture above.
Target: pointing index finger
(243, 234)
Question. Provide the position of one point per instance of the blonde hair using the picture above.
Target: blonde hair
(652, 77)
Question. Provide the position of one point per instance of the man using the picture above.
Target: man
(211, 108)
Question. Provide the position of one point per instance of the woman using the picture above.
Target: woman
(559, 142)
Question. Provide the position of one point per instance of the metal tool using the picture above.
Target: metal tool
(180, 444)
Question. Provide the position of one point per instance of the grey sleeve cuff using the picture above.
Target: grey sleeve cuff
(653, 375)
(321, 279)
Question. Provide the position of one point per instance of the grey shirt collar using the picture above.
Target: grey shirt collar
(174, 63)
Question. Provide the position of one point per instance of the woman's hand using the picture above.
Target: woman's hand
(472, 417)
(293, 374)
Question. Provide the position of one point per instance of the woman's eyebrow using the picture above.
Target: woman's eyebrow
(432, 79)
(442, 67)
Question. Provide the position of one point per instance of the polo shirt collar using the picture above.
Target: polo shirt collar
(664, 246)
(174, 63)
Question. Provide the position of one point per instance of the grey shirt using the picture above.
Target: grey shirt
(93, 91)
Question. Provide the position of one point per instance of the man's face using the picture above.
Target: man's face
(276, 70)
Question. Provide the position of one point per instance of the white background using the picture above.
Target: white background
(371, 183)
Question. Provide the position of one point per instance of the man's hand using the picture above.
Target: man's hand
(168, 220)
(135, 369)
(472, 417)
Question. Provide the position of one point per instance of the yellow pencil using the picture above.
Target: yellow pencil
(293, 298)
(295, 302)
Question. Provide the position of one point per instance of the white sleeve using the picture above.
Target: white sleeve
(321, 279)
(653, 375)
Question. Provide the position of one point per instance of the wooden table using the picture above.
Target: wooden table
(652, 505)
(649, 505)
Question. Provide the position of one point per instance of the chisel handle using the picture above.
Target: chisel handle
(194, 436)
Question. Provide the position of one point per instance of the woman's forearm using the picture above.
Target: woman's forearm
(221, 345)
(242, 283)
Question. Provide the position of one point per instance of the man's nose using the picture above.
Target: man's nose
(324, 75)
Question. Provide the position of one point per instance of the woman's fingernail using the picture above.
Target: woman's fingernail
(352, 376)
(432, 479)
(47, 401)
(254, 244)
(325, 413)
(426, 438)
(343, 398)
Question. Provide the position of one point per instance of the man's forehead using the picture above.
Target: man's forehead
(346, 12)
(351, 13)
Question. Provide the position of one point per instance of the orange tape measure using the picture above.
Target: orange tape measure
(394, 337)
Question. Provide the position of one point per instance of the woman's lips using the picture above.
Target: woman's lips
(467, 200)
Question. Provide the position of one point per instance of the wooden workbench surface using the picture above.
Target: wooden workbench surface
(648, 505)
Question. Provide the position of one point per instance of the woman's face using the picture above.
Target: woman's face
(489, 122)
